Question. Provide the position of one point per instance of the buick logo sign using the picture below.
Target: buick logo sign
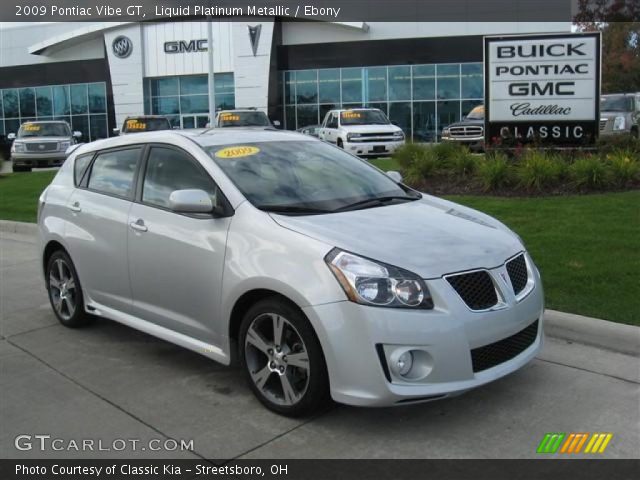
(122, 46)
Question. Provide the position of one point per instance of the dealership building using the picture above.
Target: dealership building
(93, 75)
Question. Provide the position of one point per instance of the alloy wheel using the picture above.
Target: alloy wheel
(277, 359)
(62, 289)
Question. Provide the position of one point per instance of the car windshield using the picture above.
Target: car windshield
(145, 124)
(616, 103)
(363, 117)
(477, 113)
(243, 119)
(33, 129)
(305, 177)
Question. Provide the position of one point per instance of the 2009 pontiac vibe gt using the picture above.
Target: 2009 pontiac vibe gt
(323, 276)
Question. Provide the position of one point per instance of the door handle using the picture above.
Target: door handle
(75, 207)
(138, 225)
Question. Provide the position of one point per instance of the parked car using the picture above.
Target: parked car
(244, 117)
(41, 144)
(366, 132)
(620, 114)
(143, 123)
(320, 274)
(312, 130)
(469, 131)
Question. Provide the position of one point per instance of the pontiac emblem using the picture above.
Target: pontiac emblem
(254, 37)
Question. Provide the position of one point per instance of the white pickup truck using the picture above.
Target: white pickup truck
(366, 132)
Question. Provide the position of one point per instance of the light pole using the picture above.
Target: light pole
(212, 94)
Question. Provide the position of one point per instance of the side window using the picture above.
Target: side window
(325, 122)
(80, 167)
(168, 170)
(333, 121)
(113, 172)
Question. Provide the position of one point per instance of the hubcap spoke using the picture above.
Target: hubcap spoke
(288, 392)
(71, 284)
(60, 270)
(300, 360)
(256, 339)
(261, 376)
(58, 304)
(278, 327)
(70, 306)
(53, 281)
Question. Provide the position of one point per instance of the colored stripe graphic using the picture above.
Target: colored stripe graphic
(598, 443)
(574, 443)
(550, 442)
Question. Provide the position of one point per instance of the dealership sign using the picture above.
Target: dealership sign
(182, 46)
(542, 88)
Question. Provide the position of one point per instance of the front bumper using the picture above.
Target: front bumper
(52, 159)
(358, 340)
(471, 142)
(369, 149)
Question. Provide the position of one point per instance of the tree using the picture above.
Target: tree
(618, 22)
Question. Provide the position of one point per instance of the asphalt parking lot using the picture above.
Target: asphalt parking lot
(109, 382)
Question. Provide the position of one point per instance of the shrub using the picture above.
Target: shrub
(494, 172)
(624, 167)
(447, 152)
(590, 173)
(407, 153)
(539, 169)
(616, 143)
(463, 164)
(425, 163)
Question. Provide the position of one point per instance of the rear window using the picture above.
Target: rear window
(363, 117)
(113, 172)
(145, 124)
(243, 119)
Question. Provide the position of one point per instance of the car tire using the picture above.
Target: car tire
(65, 291)
(339, 143)
(15, 168)
(287, 388)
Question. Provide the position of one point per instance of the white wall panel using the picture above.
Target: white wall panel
(160, 64)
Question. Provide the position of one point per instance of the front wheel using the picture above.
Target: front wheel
(339, 143)
(65, 292)
(282, 359)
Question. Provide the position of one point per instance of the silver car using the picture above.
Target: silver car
(321, 275)
(41, 144)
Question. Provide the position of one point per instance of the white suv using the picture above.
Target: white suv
(361, 131)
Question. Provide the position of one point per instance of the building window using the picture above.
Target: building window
(82, 105)
(185, 99)
(421, 99)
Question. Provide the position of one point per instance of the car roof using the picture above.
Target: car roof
(620, 94)
(146, 116)
(46, 121)
(210, 137)
(240, 110)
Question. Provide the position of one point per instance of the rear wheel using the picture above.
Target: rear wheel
(282, 359)
(65, 292)
(16, 168)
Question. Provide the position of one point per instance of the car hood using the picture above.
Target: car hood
(43, 139)
(371, 128)
(430, 237)
(613, 114)
(467, 123)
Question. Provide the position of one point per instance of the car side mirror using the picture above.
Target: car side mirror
(115, 132)
(77, 134)
(190, 201)
(276, 123)
(395, 176)
(11, 136)
(394, 123)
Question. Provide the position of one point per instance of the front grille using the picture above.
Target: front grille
(42, 147)
(517, 270)
(466, 132)
(483, 358)
(603, 123)
(475, 288)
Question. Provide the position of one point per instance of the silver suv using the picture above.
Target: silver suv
(320, 274)
(620, 114)
(41, 144)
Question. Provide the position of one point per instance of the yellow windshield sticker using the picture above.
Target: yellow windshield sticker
(237, 152)
(30, 127)
(350, 115)
(135, 124)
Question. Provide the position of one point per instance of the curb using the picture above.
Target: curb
(592, 331)
(23, 228)
(567, 326)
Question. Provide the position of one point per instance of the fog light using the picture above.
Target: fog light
(404, 363)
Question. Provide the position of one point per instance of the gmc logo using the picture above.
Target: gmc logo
(182, 46)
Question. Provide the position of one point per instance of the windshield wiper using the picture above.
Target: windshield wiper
(299, 209)
(376, 201)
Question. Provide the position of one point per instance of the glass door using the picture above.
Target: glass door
(194, 121)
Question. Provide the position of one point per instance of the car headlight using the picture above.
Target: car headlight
(64, 146)
(445, 132)
(398, 134)
(619, 123)
(17, 147)
(378, 284)
(351, 136)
